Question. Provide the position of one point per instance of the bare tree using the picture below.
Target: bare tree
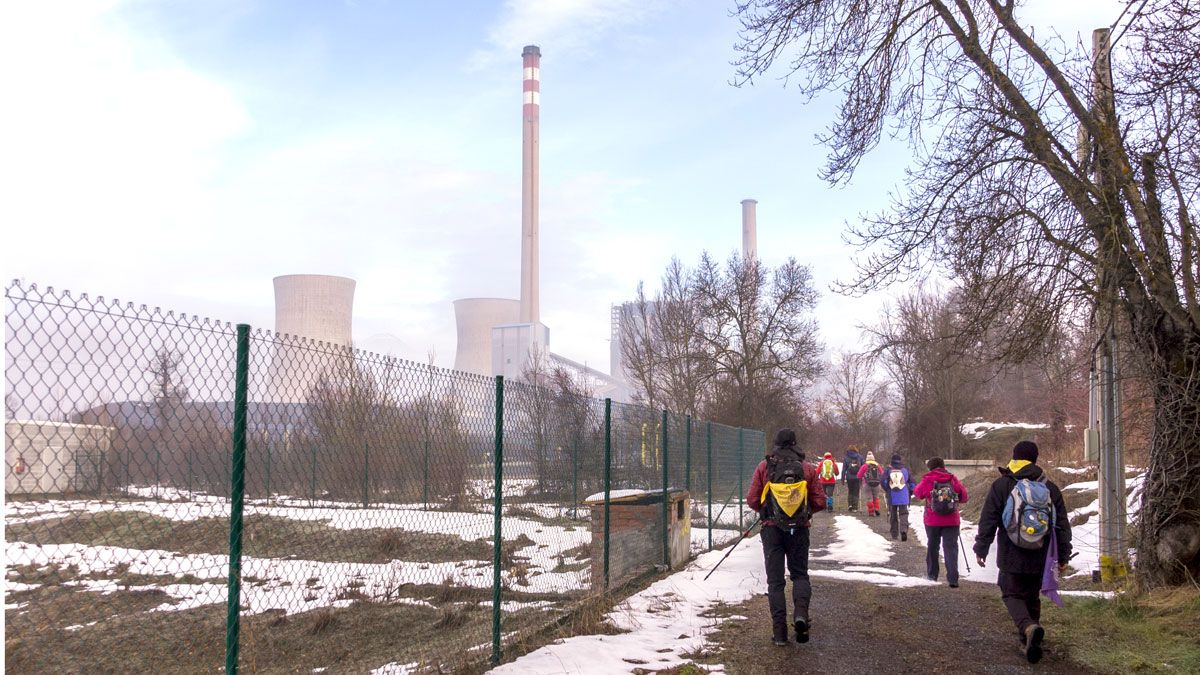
(999, 198)
(857, 399)
(641, 353)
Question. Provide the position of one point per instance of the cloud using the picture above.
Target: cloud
(566, 25)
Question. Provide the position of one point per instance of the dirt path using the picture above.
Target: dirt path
(864, 628)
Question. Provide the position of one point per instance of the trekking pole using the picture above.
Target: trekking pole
(963, 548)
(735, 545)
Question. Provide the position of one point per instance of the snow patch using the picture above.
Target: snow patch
(981, 429)
(856, 543)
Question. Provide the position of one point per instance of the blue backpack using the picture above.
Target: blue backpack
(1029, 513)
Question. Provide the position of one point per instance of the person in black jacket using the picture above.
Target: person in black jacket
(1022, 569)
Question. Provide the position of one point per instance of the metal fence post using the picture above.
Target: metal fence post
(687, 471)
(366, 474)
(268, 487)
(666, 502)
(741, 490)
(607, 479)
(709, 488)
(237, 493)
(497, 503)
(425, 458)
(313, 485)
(575, 477)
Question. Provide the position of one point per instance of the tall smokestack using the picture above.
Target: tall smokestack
(530, 110)
(749, 229)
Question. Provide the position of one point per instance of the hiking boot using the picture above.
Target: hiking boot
(903, 536)
(779, 633)
(953, 584)
(1034, 634)
(801, 630)
(780, 643)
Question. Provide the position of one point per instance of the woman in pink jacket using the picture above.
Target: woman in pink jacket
(942, 492)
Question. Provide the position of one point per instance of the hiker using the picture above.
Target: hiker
(942, 492)
(828, 471)
(871, 474)
(898, 486)
(851, 463)
(785, 494)
(1035, 537)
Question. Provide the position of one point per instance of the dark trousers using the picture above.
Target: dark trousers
(829, 488)
(780, 545)
(898, 519)
(948, 536)
(1020, 595)
(852, 494)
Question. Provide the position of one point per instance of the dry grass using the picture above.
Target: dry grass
(1156, 632)
(264, 537)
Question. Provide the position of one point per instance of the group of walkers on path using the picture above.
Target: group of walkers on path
(1022, 503)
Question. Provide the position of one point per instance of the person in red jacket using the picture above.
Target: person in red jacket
(942, 492)
(786, 543)
(828, 471)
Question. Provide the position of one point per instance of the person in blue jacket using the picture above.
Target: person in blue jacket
(897, 484)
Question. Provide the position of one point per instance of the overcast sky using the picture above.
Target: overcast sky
(182, 154)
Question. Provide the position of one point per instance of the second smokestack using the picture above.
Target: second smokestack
(749, 228)
(531, 88)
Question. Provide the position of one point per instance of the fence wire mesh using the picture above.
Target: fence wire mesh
(369, 517)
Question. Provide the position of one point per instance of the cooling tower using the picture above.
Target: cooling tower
(313, 306)
(475, 318)
(749, 228)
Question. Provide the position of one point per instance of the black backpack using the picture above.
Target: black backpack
(873, 474)
(852, 467)
(786, 490)
(943, 499)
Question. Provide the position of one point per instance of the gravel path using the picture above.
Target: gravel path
(863, 628)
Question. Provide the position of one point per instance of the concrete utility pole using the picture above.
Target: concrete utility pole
(1103, 439)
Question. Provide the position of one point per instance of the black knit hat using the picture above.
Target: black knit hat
(897, 460)
(785, 438)
(1026, 450)
(935, 463)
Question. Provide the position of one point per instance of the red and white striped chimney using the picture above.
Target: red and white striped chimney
(530, 112)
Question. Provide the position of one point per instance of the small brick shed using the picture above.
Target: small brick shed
(635, 535)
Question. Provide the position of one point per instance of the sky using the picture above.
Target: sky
(181, 154)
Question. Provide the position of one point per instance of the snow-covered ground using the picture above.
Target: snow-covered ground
(664, 621)
(981, 429)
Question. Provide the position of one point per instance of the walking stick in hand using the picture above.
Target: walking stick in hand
(744, 535)
(964, 551)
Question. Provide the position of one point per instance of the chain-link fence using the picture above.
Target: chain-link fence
(187, 495)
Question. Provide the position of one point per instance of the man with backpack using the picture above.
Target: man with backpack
(851, 463)
(899, 489)
(942, 492)
(785, 493)
(828, 470)
(1028, 511)
(871, 474)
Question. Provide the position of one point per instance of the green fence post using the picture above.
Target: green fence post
(709, 489)
(741, 491)
(687, 471)
(666, 502)
(425, 458)
(313, 486)
(575, 477)
(607, 478)
(268, 486)
(366, 473)
(237, 487)
(498, 489)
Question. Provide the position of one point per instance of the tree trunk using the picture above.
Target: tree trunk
(1168, 534)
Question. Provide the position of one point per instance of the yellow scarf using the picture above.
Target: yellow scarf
(1018, 464)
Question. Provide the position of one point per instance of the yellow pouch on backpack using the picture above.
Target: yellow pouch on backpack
(789, 496)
